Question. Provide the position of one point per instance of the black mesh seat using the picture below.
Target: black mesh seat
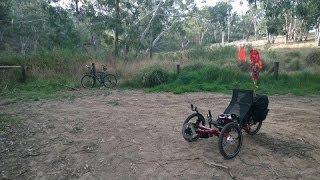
(240, 104)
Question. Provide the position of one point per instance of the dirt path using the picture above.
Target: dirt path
(133, 135)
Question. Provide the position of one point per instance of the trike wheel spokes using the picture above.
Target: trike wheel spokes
(252, 127)
(87, 81)
(230, 140)
(190, 125)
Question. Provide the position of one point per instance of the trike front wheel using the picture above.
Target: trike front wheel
(230, 140)
(190, 125)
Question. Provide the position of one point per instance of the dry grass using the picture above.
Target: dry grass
(279, 43)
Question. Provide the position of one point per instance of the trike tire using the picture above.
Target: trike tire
(223, 139)
(254, 130)
(186, 131)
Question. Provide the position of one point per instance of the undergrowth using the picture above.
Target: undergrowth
(211, 69)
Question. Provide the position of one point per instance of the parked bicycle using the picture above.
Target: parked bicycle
(104, 78)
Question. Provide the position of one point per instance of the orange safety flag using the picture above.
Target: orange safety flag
(241, 54)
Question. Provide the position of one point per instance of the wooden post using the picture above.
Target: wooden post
(276, 70)
(93, 69)
(178, 68)
(23, 72)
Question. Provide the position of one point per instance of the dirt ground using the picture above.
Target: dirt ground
(124, 134)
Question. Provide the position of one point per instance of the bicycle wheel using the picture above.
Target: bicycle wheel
(230, 140)
(88, 81)
(189, 127)
(109, 80)
(252, 127)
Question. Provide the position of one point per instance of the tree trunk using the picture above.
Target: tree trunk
(294, 34)
(318, 35)
(255, 27)
(116, 33)
(77, 6)
(290, 33)
(202, 36)
(286, 29)
(149, 24)
(222, 37)
(229, 28)
(306, 34)
(301, 30)
(150, 52)
(268, 37)
(1, 35)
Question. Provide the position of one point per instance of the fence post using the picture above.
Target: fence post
(178, 68)
(93, 69)
(23, 72)
(276, 70)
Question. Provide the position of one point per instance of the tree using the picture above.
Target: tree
(160, 17)
(34, 24)
(221, 14)
(5, 6)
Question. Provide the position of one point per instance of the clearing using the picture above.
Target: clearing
(124, 134)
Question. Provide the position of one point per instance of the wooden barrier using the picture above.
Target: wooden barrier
(23, 70)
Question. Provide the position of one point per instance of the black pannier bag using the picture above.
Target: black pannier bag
(260, 107)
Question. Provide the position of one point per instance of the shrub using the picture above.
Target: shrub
(243, 66)
(151, 76)
(295, 65)
(313, 58)
(293, 54)
(214, 53)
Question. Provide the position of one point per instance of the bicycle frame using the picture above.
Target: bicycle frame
(203, 130)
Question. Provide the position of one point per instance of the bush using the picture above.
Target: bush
(295, 65)
(243, 66)
(214, 53)
(293, 54)
(151, 76)
(313, 58)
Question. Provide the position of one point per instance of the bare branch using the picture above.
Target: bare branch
(162, 33)
(174, 15)
(149, 24)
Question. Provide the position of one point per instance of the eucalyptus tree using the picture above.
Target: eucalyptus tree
(314, 17)
(220, 13)
(159, 18)
(4, 18)
(35, 24)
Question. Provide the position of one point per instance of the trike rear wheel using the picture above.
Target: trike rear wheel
(252, 127)
(230, 140)
(189, 127)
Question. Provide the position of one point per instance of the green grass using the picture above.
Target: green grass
(51, 74)
(35, 89)
(222, 79)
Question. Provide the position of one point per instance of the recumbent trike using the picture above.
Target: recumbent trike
(246, 111)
